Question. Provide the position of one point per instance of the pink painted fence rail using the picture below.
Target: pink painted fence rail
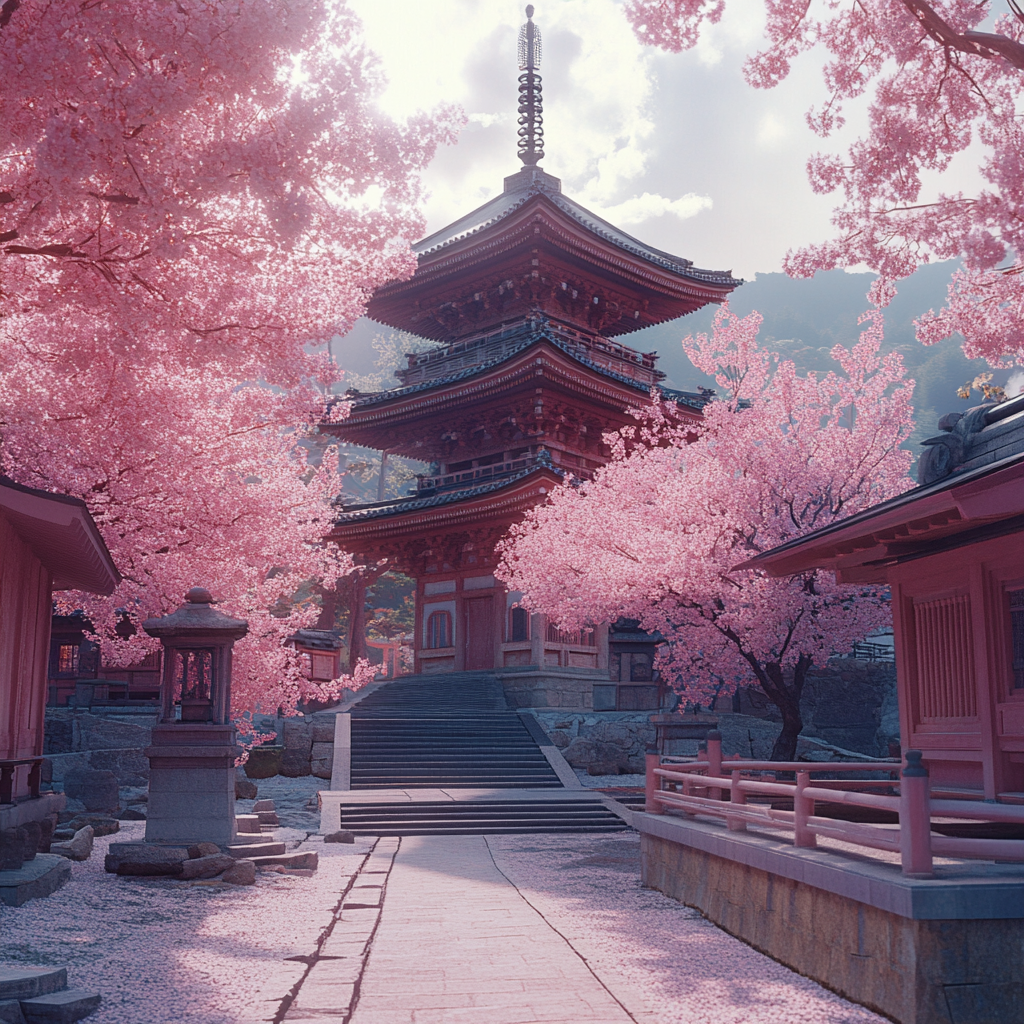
(721, 789)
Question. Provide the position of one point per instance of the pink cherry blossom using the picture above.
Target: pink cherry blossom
(191, 193)
(657, 535)
(938, 85)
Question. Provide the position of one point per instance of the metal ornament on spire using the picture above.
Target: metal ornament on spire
(531, 106)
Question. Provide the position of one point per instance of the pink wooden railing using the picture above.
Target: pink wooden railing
(720, 788)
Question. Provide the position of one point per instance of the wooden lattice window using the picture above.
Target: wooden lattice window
(67, 659)
(322, 666)
(1017, 637)
(576, 637)
(945, 659)
(439, 630)
(518, 624)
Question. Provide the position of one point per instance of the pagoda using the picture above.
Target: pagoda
(526, 297)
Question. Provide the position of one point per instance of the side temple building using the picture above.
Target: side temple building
(527, 298)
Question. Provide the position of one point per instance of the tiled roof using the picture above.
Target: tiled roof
(531, 336)
(376, 510)
(508, 202)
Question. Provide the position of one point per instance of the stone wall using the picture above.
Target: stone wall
(849, 703)
(601, 742)
(76, 739)
(913, 971)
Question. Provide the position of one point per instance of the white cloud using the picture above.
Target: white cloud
(642, 208)
(626, 125)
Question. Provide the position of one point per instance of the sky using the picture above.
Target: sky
(674, 148)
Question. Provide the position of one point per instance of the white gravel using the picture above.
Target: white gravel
(167, 952)
(658, 956)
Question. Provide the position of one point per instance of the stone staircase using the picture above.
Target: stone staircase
(40, 995)
(455, 732)
(444, 731)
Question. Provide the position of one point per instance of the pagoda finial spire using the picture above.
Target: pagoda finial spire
(531, 106)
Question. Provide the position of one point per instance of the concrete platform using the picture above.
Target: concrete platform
(42, 875)
(943, 950)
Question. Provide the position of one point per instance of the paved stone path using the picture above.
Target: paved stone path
(457, 943)
(536, 930)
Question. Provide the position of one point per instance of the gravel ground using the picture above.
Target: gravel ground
(647, 947)
(167, 952)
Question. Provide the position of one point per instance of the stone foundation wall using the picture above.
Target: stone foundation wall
(601, 742)
(849, 703)
(531, 687)
(914, 971)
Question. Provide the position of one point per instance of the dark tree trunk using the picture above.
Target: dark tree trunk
(356, 622)
(785, 694)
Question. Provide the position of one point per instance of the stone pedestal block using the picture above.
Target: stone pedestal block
(192, 784)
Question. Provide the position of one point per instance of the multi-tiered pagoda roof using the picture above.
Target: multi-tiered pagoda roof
(527, 298)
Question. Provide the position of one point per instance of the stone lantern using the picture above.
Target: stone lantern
(192, 758)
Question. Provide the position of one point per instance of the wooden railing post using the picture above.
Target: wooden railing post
(736, 796)
(715, 760)
(652, 782)
(915, 818)
(803, 808)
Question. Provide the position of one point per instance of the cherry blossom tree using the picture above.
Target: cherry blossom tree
(193, 193)
(660, 533)
(942, 76)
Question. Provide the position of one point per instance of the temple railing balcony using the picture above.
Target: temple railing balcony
(471, 477)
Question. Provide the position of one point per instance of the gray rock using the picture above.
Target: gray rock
(298, 746)
(582, 753)
(46, 827)
(206, 867)
(102, 824)
(245, 789)
(263, 805)
(17, 982)
(131, 814)
(97, 790)
(10, 1012)
(322, 759)
(241, 872)
(340, 837)
(12, 849)
(263, 762)
(203, 850)
(60, 1007)
(33, 836)
(323, 730)
(145, 859)
(78, 848)
(298, 737)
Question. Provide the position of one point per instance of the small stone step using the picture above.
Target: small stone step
(268, 818)
(309, 859)
(28, 982)
(247, 824)
(249, 850)
(60, 1007)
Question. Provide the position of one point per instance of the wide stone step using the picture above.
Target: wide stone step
(28, 982)
(60, 1007)
(454, 784)
(305, 859)
(246, 851)
(457, 829)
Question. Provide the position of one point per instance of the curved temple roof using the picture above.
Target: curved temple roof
(533, 181)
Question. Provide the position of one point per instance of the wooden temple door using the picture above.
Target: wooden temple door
(479, 633)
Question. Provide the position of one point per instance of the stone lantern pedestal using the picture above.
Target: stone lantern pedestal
(192, 757)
